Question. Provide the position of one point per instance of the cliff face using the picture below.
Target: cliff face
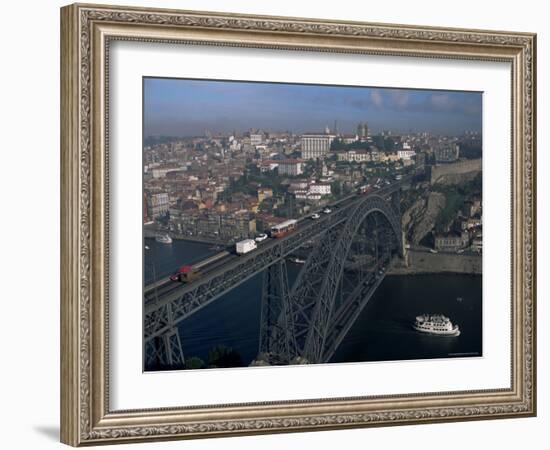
(419, 219)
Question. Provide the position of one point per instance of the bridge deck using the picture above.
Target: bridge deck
(174, 301)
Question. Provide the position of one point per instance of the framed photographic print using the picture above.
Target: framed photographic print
(275, 224)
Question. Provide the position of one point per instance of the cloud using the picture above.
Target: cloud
(377, 98)
(390, 99)
(398, 99)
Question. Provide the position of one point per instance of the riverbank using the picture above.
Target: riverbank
(151, 234)
(422, 262)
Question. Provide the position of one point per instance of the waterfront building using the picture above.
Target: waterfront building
(477, 243)
(451, 242)
(226, 227)
(157, 204)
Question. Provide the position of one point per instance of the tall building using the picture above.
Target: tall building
(363, 130)
(316, 146)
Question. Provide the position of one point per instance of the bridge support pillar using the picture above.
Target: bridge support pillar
(276, 330)
(396, 206)
(165, 352)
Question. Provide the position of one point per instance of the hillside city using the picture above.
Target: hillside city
(222, 188)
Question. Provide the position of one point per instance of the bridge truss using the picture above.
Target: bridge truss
(303, 323)
(340, 275)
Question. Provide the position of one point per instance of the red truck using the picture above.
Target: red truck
(190, 272)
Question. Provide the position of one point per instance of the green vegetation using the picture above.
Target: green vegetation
(455, 196)
(222, 356)
(470, 150)
(410, 196)
(249, 182)
(336, 188)
(454, 201)
(194, 363)
(386, 144)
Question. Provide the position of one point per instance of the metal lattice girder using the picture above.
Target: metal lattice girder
(344, 317)
(276, 337)
(187, 299)
(320, 320)
(303, 296)
(165, 351)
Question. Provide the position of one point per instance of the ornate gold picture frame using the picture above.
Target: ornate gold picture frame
(87, 31)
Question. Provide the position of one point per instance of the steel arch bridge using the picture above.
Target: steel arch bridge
(303, 323)
(307, 322)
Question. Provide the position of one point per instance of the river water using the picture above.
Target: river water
(382, 332)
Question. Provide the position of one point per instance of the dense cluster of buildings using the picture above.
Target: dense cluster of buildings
(230, 186)
(465, 232)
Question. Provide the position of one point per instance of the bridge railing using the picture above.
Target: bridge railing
(190, 298)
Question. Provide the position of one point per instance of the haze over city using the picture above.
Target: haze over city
(290, 204)
(183, 107)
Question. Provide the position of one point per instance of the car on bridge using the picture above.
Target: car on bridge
(261, 237)
(190, 272)
(327, 210)
(315, 216)
(364, 189)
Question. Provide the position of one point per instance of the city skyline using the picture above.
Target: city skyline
(188, 107)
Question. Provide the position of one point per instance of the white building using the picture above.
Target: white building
(354, 155)
(299, 185)
(160, 172)
(349, 138)
(319, 188)
(405, 155)
(310, 190)
(316, 146)
(268, 164)
(292, 167)
(157, 204)
(235, 146)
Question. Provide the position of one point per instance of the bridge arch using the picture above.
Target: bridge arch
(313, 295)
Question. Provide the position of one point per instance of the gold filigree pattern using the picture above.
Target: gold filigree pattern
(525, 43)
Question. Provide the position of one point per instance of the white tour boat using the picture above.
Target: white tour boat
(163, 239)
(437, 324)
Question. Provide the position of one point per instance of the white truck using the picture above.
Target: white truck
(245, 246)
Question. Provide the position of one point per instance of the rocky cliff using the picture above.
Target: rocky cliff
(419, 219)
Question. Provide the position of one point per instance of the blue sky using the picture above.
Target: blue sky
(180, 107)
